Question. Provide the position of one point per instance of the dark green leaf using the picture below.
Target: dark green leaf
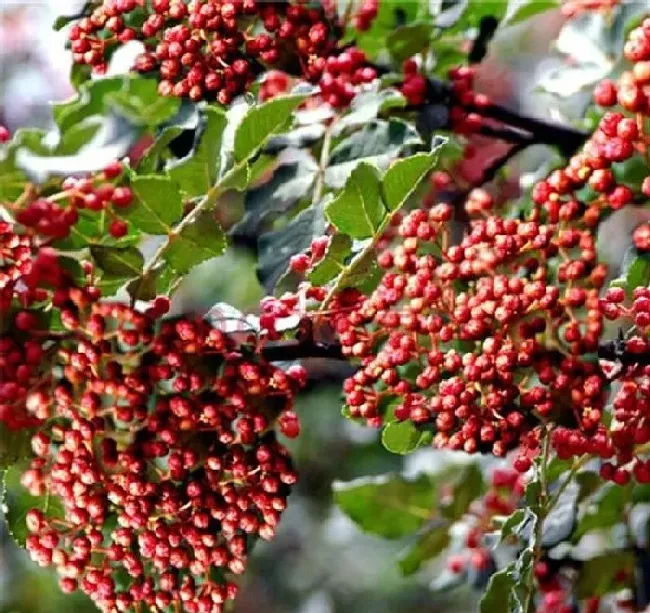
(378, 142)
(403, 437)
(429, 545)
(15, 445)
(117, 262)
(556, 468)
(403, 178)
(588, 482)
(467, 487)
(408, 40)
(263, 121)
(499, 591)
(198, 171)
(366, 106)
(515, 523)
(199, 241)
(289, 184)
(561, 519)
(276, 247)
(158, 204)
(605, 574)
(358, 210)
(389, 506)
(533, 492)
(149, 161)
(333, 263)
(605, 512)
(16, 502)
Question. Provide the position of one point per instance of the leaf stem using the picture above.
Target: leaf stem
(543, 509)
(208, 200)
(323, 164)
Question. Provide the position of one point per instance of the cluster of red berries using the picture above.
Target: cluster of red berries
(454, 333)
(365, 15)
(301, 262)
(415, 86)
(207, 49)
(53, 216)
(500, 500)
(162, 453)
(274, 84)
(30, 275)
(342, 75)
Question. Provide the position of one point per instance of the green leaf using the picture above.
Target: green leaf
(15, 445)
(149, 161)
(605, 574)
(77, 136)
(16, 502)
(408, 40)
(514, 524)
(199, 241)
(263, 121)
(635, 271)
(289, 184)
(237, 178)
(605, 512)
(403, 437)
(378, 142)
(556, 468)
(476, 10)
(389, 506)
(118, 263)
(140, 102)
(404, 176)
(275, 248)
(333, 262)
(467, 487)
(429, 545)
(92, 229)
(158, 204)
(63, 20)
(358, 210)
(525, 9)
(499, 591)
(90, 100)
(366, 106)
(588, 482)
(198, 171)
(390, 16)
(363, 273)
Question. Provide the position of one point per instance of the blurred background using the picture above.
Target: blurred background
(320, 562)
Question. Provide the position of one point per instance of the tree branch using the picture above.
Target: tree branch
(279, 351)
(542, 132)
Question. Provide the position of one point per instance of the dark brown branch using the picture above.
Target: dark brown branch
(542, 132)
(280, 351)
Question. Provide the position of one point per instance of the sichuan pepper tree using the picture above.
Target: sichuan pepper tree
(142, 445)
